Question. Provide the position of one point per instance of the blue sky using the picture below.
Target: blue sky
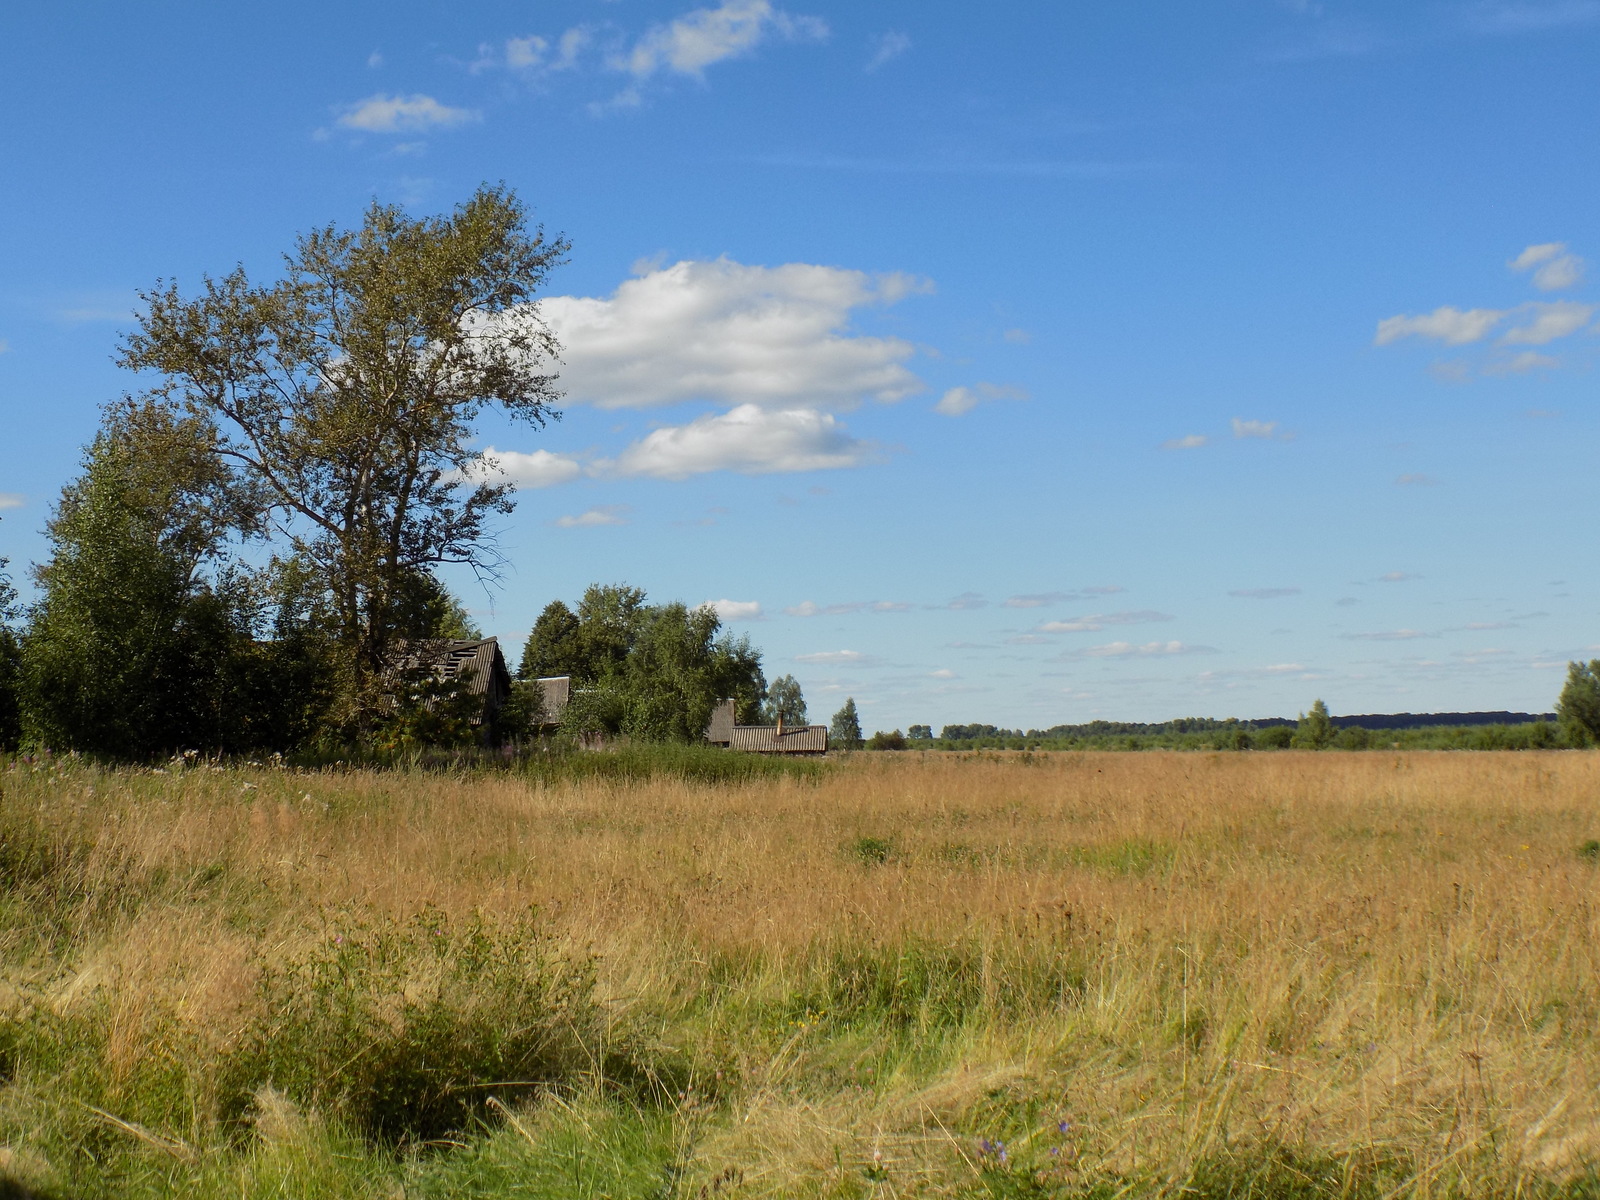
(1020, 363)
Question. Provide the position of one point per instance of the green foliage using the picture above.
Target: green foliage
(1590, 850)
(10, 688)
(132, 649)
(1578, 709)
(872, 851)
(552, 646)
(344, 396)
(648, 672)
(887, 741)
(406, 1030)
(1277, 737)
(845, 731)
(784, 702)
(1315, 730)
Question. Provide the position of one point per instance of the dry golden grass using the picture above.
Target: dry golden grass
(1375, 957)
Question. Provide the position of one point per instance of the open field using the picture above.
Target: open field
(1288, 974)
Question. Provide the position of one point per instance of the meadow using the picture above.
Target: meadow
(1293, 974)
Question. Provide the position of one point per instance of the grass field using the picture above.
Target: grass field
(1288, 974)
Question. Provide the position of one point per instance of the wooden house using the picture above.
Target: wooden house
(723, 730)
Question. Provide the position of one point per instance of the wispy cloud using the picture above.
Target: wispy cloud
(966, 602)
(1268, 593)
(1495, 18)
(1098, 621)
(1389, 635)
(1557, 319)
(1192, 441)
(1452, 326)
(1397, 577)
(834, 658)
(1145, 650)
(12, 500)
(886, 47)
(1554, 269)
(1255, 429)
(698, 39)
(403, 114)
(959, 401)
(607, 514)
(810, 608)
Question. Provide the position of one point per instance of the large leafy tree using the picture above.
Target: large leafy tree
(845, 731)
(785, 702)
(1579, 706)
(344, 395)
(137, 644)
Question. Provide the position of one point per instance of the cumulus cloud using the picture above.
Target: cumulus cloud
(1191, 441)
(696, 40)
(1556, 319)
(724, 331)
(403, 114)
(1265, 593)
(748, 439)
(1452, 326)
(833, 658)
(12, 500)
(607, 514)
(735, 610)
(1098, 621)
(539, 469)
(1557, 269)
(534, 53)
(959, 401)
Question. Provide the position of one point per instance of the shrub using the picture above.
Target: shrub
(887, 741)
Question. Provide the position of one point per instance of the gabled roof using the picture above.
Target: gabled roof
(770, 739)
(477, 665)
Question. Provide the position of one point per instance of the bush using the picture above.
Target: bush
(887, 741)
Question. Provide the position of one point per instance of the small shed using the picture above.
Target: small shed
(764, 739)
(554, 693)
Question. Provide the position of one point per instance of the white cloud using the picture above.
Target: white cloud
(723, 331)
(1098, 621)
(1556, 319)
(1147, 650)
(967, 601)
(1518, 364)
(1557, 268)
(956, 402)
(608, 514)
(959, 401)
(1397, 577)
(4, 345)
(748, 439)
(696, 40)
(1449, 325)
(1191, 441)
(810, 608)
(534, 53)
(12, 500)
(403, 114)
(833, 658)
(1253, 429)
(1039, 599)
(1389, 635)
(942, 673)
(735, 610)
(536, 470)
(886, 47)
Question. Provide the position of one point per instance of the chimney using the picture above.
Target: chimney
(780, 724)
